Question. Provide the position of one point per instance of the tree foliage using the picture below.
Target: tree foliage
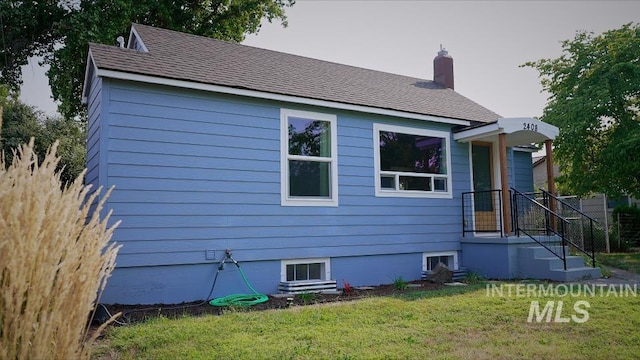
(28, 29)
(61, 30)
(22, 122)
(595, 88)
(4, 93)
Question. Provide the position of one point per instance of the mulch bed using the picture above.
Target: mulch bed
(138, 313)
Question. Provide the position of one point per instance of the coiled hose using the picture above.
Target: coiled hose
(239, 299)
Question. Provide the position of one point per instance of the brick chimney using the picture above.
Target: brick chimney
(443, 69)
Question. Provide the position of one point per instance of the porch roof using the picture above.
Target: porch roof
(519, 131)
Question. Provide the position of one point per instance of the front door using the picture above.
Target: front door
(484, 203)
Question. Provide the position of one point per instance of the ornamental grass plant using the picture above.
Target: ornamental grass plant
(55, 258)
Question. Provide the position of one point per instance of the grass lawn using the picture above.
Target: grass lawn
(455, 323)
(626, 261)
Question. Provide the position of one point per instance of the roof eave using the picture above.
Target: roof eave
(115, 74)
(87, 71)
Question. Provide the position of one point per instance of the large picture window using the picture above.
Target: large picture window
(411, 162)
(309, 159)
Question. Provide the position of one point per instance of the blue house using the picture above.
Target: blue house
(310, 172)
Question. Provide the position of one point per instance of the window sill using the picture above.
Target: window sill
(413, 194)
(309, 202)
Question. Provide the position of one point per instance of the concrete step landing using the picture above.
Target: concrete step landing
(537, 262)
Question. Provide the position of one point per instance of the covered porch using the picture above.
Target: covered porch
(507, 230)
(492, 147)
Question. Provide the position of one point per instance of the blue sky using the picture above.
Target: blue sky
(488, 40)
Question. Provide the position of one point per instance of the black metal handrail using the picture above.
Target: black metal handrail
(591, 254)
(539, 223)
(567, 204)
(482, 212)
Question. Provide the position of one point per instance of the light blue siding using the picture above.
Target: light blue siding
(523, 171)
(196, 171)
(511, 177)
(169, 284)
(387, 268)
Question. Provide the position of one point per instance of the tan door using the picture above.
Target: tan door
(485, 203)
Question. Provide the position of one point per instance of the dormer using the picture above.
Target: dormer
(135, 41)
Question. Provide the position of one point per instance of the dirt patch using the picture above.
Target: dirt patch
(138, 313)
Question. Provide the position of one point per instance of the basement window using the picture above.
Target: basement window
(306, 276)
(430, 260)
(305, 270)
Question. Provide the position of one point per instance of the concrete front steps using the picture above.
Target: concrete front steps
(536, 262)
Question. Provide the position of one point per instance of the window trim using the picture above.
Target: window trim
(325, 261)
(380, 192)
(285, 199)
(426, 255)
(608, 201)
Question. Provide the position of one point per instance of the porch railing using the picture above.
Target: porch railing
(538, 222)
(482, 212)
(547, 219)
(580, 227)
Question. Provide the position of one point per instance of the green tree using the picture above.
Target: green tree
(21, 122)
(60, 30)
(28, 29)
(595, 88)
(4, 94)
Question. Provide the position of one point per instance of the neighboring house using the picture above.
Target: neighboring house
(540, 177)
(306, 170)
(597, 201)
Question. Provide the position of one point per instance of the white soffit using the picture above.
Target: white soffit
(519, 131)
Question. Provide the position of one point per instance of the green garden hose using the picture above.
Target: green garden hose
(241, 299)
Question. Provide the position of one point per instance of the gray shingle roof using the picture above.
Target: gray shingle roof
(181, 56)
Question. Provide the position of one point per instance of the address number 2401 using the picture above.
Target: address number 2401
(530, 126)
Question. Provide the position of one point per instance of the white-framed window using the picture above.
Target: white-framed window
(430, 260)
(318, 269)
(411, 162)
(309, 158)
(613, 202)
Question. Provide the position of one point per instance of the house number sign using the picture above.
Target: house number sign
(530, 126)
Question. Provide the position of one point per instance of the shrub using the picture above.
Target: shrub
(308, 298)
(55, 258)
(473, 277)
(626, 227)
(399, 283)
(599, 236)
